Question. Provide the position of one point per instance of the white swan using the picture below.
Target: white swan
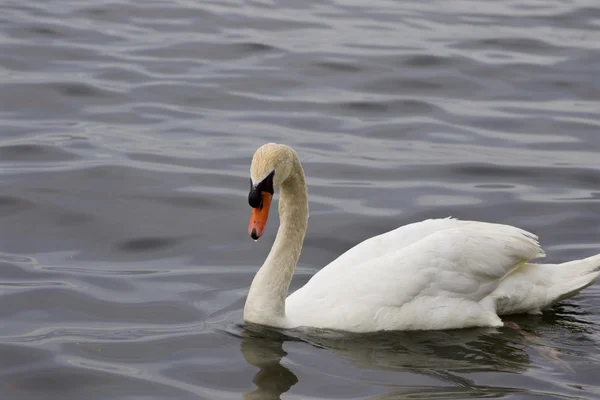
(435, 274)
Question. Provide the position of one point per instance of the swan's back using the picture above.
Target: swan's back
(429, 275)
(434, 238)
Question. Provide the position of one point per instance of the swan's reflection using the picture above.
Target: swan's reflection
(446, 356)
(264, 350)
(439, 355)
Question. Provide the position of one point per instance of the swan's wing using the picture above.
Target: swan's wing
(468, 261)
(462, 244)
(460, 261)
(390, 242)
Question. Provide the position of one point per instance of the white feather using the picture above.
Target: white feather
(435, 274)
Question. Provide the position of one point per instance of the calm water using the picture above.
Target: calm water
(127, 128)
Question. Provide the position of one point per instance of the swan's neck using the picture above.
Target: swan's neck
(265, 304)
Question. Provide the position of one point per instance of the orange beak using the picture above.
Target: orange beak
(258, 219)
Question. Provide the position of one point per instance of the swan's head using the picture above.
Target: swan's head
(271, 166)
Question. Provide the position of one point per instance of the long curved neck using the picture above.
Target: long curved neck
(265, 303)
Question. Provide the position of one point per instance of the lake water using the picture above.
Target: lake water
(126, 132)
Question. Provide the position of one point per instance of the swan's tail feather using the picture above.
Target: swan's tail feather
(573, 287)
(581, 267)
(573, 276)
(534, 287)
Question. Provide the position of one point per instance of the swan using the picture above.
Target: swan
(436, 274)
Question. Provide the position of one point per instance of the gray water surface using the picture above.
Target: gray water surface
(126, 132)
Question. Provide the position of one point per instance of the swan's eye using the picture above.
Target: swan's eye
(255, 197)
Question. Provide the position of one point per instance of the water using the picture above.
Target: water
(127, 129)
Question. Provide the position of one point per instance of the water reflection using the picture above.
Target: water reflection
(442, 357)
(265, 353)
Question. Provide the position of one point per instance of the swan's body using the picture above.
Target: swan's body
(435, 274)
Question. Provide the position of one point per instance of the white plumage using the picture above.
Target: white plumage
(435, 274)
